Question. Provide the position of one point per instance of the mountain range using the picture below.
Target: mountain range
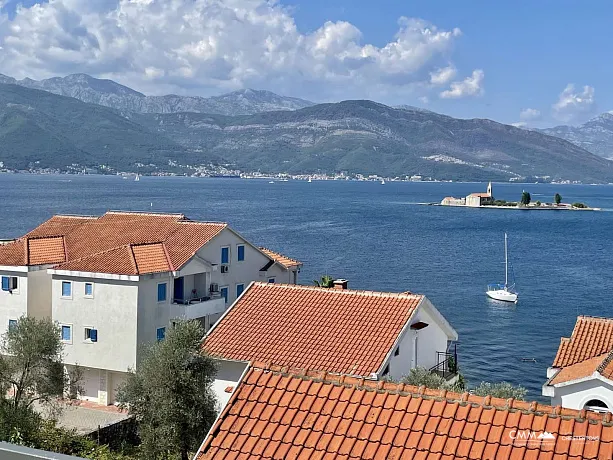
(596, 135)
(84, 121)
(111, 94)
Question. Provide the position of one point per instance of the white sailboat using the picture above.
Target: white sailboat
(137, 178)
(506, 292)
(382, 181)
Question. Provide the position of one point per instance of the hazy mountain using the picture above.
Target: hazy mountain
(111, 94)
(41, 129)
(367, 137)
(596, 135)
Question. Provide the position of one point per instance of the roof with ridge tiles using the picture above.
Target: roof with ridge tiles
(282, 413)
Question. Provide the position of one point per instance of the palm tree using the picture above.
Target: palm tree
(326, 282)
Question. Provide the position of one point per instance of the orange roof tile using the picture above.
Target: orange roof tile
(285, 261)
(481, 194)
(344, 331)
(591, 337)
(92, 243)
(579, 370)
(378, 420)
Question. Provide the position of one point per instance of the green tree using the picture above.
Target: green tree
(326, 282)
(171, 394)
(500, 390)
(419, 376)
(557, 198)
(525, 198)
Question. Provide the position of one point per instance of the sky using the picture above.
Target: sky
(530, 63)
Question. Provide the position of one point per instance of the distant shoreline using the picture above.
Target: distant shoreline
(517, 208)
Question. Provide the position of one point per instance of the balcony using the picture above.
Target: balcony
(446, 365)
(198, 307)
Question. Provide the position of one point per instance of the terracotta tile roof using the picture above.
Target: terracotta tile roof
(287, 262)
(579, 370)
(591, 337)
(344, 331)
(304, 415)
(482, 195)
(93, 243)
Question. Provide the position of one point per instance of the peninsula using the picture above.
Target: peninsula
(486, 200)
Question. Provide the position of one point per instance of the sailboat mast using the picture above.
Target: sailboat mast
(506, 262)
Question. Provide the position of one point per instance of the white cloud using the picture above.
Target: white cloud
(574, 106)
(208, 46)
(520, 124)
(423, 99)
(470, 86)
(529, 114)
(443, 76)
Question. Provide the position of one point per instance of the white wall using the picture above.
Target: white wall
(429, 340)
(151, 313)
(13, 305)
(576, 395)
(112, 311)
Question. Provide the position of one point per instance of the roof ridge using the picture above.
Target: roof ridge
(361, 383)
(146, 213)
(133, 259)
(594, 318)
(362, 292)
(96, 254)
(605, 362)
(201, 222)
(76, 216)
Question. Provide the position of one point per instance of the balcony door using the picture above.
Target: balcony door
(179, 289)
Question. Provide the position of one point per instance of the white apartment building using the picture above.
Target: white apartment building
(115, 283)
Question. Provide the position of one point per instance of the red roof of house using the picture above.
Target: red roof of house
(117, 242)
(285, 261)
(482, 195)
(591, 337)
(343, 331)
(276, 413)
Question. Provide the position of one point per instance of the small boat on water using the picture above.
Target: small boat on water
(272, 182)
(503, 292)
(382, 181)
(137, 178)
(310, 180)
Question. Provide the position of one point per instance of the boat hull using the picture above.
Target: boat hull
(502, 295)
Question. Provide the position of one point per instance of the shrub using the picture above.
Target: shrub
(579, 205)
(421, 376)
(500, 390)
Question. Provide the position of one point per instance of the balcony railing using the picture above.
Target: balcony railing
(446, 364)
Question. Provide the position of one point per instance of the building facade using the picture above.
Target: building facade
(124, 279)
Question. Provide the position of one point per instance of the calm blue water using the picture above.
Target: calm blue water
(378, 238)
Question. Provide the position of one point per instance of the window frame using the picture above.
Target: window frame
(238, 252)
(157, 333)
(227, 296)
(85, 294)
(272, 280)
(62, 290)
(165, 299)
(62, 326)
(229, 258)
(242, 289)
(88, 339)
(14, 321)
(9, 289)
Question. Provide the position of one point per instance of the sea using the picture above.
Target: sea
(380, 237)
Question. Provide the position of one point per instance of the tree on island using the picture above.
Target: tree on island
(326, 282)
(525, 198)
(557, 198)
(171, 394)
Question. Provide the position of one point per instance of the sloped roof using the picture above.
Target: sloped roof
(343, 331)
(285, 261)
(591, 337)
(276, 413)
(602, 364)
(106, 244)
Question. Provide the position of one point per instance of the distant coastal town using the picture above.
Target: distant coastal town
(486, 200)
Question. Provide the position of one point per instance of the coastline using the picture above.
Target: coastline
(517, 208)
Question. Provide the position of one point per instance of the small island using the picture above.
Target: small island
(487, 200)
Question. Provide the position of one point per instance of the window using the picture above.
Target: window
(9, 283)
(239, 289)
(91, 334)
(240, 252)
(162, 292)
(224, 293)
(386, 370)
(66, 289)
(271, 280)
(12, 323)
(225, 255)
(89, 290)
(66, 333)
(160, 333)
(397, 351)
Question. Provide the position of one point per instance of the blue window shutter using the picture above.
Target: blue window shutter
(5, 283)
(161, 333)
(225, 255)
(224, 293)
(271, 280)
(93, 335)
(241, 253)
(239, 289)
(161, 292)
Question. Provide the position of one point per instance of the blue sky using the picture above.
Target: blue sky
(525, 53)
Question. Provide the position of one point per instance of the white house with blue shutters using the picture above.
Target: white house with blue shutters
(107, 317)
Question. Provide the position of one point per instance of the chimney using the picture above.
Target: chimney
(340, 284)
